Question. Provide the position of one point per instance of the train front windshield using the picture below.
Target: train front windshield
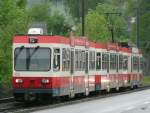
(32, 59)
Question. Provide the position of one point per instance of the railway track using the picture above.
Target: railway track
(5, 100)
(8, 105)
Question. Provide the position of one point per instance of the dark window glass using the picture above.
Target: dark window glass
(125, 63)
(91, 60)
(112, 61)
(83, 60)
(76, 60)
(105, 61)
(32, 59)
(56, 59)
(135, 63)
(65, 59)
(141, 64)
(98, 61)
(120, 62)
(79, 60)
(117, 65)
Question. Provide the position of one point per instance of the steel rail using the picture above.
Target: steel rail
(9, 104)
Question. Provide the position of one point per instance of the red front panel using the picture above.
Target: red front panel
(31, 82)
(36, 82)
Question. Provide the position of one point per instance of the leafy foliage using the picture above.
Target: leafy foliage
(13, 19)
(57, 25)
(40, 12)
(98, 24)
(145, 26)
(144, 21)
(75, 6)
(56, 22)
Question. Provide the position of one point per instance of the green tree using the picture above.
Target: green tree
(56, 22)
(98, 23)
(40, 12)
(96, 29)
(21, 3)
(13, 19)
(145, 26)
(75, 6)
(144, 21)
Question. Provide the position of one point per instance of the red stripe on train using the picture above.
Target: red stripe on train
(36, 82)
(54, 82)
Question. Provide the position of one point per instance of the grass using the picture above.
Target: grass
(146, 80)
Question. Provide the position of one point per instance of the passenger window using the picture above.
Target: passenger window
(98, 61)
(65, 59)
(135, 63)
(112, 61)
(105, 61)
(117, 65)
(76, 60)
(79, 60)
(91, 60)
(83, 60)
(120, 62)
(56, 60)
(125, 63)
(141, 64)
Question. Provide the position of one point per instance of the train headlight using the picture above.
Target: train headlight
(18, 80)
(45, 81)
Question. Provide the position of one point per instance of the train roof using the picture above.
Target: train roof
(75, 41)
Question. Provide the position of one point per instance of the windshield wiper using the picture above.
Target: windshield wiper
(35, 49)
(30, 55)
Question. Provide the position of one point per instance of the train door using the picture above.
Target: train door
(71, 73)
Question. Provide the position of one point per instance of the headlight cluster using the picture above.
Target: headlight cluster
(45, 81)
(19, 81)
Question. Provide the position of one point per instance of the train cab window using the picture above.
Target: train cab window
(91, 60)
(65, 59)
(32, 59)
(98, 61)
(56, 59)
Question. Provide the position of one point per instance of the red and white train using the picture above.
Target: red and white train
(59, 66)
